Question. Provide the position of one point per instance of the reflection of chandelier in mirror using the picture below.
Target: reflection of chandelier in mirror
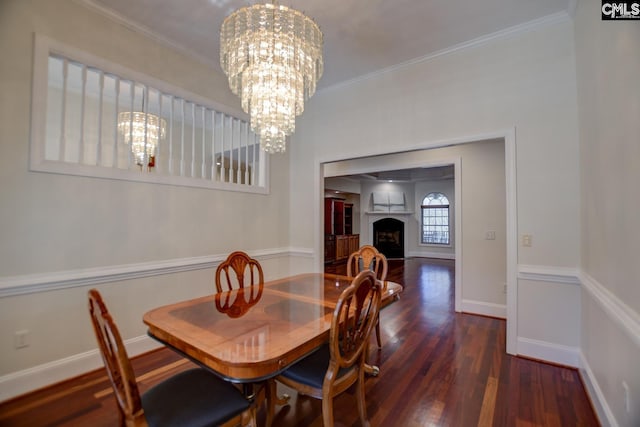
(272, 56)
(143, 130)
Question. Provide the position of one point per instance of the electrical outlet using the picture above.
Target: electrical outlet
(490, 235)
(526, 240)
(21, 339)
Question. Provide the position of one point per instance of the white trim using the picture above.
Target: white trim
(620, 313)
(571, 8)
(484, 308)
(147, 32)
(480, 41)
(555, 353)
(74, 169)
(384, 213)
(510, 164)
(31, 379)
(457, 230)
(543, 273)
(43, 47)
(33, 283)
(600, 405)
(509, 138)
(438, 255)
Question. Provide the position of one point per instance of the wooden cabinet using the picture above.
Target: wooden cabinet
(354, 243)
(348, 218)
(339, 241)
(342, 247)
(329, 248)
(333, 216)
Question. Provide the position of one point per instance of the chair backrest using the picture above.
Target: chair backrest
(353, 319)
(237, 303)
(238, 262)
(114, 356)
(367, 258)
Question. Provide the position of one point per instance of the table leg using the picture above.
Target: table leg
(273, 399)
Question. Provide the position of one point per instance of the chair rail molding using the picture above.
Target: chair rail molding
(41, 282)
(620, 313)
(545, 273)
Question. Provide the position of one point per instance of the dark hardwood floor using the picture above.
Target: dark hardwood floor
(438, 368)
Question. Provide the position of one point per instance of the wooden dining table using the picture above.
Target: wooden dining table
(252, 334)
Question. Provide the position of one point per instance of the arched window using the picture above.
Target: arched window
(435, 219)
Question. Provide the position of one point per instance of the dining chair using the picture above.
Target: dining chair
(369, 258)
(240, 264)
(340, 363)
(195, 397)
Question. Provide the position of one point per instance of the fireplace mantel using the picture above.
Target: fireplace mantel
(380, 213)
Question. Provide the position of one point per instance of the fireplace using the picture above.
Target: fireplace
(388, 237)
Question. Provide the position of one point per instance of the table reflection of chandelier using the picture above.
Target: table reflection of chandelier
(143, 131)
(272, 55)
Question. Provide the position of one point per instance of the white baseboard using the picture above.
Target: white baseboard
(484, 308)
(550, 352)
(600, 405)
(21, 382)
(426, 254)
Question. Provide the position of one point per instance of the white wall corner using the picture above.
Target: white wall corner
(550, 352)
(28, 380)
(600, 405)
(484, 308)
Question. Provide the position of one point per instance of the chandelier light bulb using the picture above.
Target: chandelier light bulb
(142, 131)
(272, 56)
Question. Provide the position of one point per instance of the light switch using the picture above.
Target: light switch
(490, 235)
(526, 240)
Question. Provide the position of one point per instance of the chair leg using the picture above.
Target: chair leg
(327, 411)
(362, 407)
(378, 333)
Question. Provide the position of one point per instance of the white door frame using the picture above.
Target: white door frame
(509, 137)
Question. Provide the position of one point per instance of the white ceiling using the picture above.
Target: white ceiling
(360, 36)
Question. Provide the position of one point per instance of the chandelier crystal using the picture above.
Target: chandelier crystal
(272, 55)
(142, 130)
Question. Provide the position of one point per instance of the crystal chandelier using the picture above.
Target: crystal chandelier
(142, 130)
(272, 55)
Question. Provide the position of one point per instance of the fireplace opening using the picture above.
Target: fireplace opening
(388, 237)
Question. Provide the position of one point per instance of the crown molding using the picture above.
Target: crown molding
(146, 31)
(480, 41)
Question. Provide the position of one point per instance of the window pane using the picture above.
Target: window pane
(435, 225)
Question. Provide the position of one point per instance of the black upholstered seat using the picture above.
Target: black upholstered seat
(192, 398)
(340, 363)
(312, 369)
